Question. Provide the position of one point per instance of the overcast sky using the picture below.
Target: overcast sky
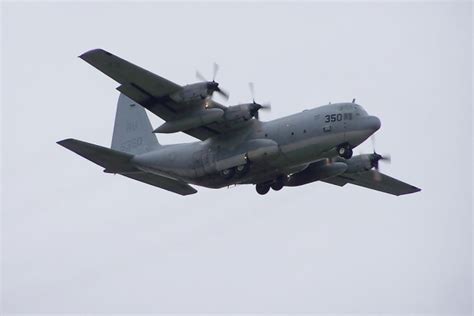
(77, 240)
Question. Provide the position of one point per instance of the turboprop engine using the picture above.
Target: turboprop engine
(195, 92)
(244, 111)
(364, 162)
(201, 90)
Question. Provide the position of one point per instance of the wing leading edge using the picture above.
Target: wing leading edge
(376, 181)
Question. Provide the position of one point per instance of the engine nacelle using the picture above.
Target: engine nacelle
(241, 112)
(359, 163)
(193, 92)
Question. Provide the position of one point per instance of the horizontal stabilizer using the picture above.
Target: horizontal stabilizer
(119, 162)
(112, 160)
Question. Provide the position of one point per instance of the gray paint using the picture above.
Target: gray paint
(273, 148)
(76, 240)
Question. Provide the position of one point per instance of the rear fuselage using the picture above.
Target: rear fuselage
(263, 151)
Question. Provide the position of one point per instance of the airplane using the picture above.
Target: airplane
(234, 146)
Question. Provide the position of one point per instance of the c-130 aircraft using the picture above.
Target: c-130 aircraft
(234, 146)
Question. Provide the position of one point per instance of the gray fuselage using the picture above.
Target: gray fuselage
(267, 149)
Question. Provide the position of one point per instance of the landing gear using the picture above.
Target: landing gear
(238, 171)
(241, 170)
(278, 184)
(228, 173)
(345, 151)
(262, 188)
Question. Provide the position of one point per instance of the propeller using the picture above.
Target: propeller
(256, 107)
(213, 86)
(375, 158)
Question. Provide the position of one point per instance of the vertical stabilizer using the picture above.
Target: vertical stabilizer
(133, 132)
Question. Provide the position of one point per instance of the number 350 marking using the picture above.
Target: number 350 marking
(333, 118)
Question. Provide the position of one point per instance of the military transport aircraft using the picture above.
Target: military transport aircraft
(234, 146)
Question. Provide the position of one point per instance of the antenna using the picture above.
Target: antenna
(353, 100)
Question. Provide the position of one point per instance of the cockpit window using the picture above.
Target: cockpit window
(359, 110)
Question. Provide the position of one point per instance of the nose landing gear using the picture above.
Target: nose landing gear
(345, 151)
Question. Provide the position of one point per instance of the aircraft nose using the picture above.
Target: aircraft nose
(373, 123)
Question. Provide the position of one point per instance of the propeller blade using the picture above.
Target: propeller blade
(252, 91)
(372, 138)
(256, 115)
(387, 158)
(223, 93)
(266, 107)
(375, 159)
(200, 76)
(215, 70)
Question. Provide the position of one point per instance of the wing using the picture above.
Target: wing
(149, 90)
(374, 180)
(118, 162)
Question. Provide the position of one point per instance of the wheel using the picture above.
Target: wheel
(341, 151)
(262, 188)
(228, 173)
(348, 153)
(241, 170)
(345, 151)
(277, 185)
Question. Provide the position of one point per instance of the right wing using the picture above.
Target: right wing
(118, 162)
(149, 90)
(374, 180)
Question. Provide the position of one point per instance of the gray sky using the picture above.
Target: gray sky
(77, 240)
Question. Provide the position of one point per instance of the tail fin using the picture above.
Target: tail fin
(133, 132)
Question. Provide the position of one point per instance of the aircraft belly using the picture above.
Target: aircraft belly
(202, 165)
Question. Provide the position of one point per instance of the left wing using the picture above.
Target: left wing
(374, 180)
(151, 91)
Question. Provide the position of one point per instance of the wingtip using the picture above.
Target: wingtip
(194, 191)
(62, 141)
(93, 52)
(65, 141)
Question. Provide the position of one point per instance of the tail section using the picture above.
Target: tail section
(119, 162)
(133, 132)
(113, 161)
